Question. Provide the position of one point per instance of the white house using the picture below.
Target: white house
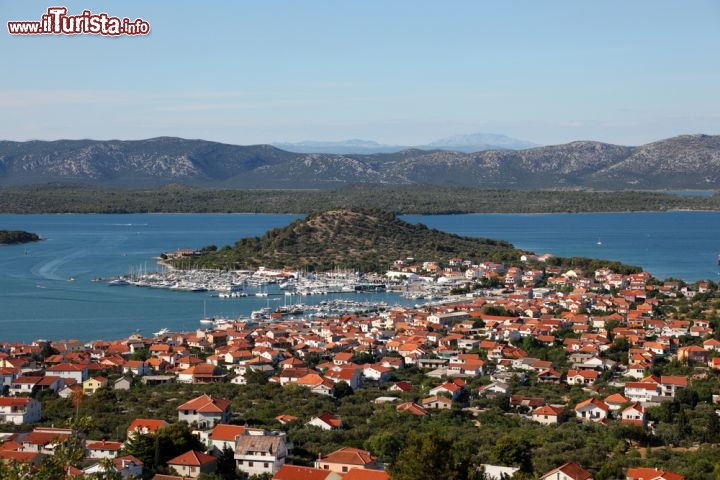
(19, 411)
(205, 411)
(102, 449)
(547, 415)
(258, 454)
(68, 370)
(127, 466)
(377, 373)
(138, 368)
(634, 414)
(641, 391)
(498, 472)
(568, 471)
(592, 409)
(326, 421)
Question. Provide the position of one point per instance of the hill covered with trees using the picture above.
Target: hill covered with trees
(406, 199)
(8, 237)
(365, 240)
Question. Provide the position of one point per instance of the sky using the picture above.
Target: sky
(397, 72)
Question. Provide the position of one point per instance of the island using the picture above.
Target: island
(10, 237)
(368, 241)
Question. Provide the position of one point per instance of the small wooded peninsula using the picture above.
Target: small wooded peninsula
(366, 240)
(11, 237)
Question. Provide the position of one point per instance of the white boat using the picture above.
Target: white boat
(222, 323)
(262, 314)
(118, 282)
(161, 332)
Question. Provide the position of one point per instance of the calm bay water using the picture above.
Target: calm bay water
(38, 300)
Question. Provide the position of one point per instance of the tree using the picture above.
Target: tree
(142, 447)
(512, 450)
(226, 464)
(341, 389)
(429, 456)
(140, 354)
(156, 449)
(385, 444)
(175, 440)
(261, 476)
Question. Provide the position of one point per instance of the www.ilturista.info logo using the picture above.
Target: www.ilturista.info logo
(58, 22)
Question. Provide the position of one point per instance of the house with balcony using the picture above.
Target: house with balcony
(592, 410)
(205, 411)
(19, 411)
(259, 454)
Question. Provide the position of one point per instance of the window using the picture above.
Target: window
(266, 465)
(250, 464)
(344, 469)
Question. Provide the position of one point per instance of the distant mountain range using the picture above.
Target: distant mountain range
(475, 142)
(684, 162)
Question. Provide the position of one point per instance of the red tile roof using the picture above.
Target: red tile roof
(151, 424)
(651, 474)
(293, 472)
(349, 456)
(572, 470)
(226, 432)
(206, 404)
(192, 458)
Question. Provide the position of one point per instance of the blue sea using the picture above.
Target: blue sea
(46, 288)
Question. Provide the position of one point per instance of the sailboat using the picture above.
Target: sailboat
(599, 242)
(205, 318)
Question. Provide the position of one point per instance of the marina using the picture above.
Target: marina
(235, 283)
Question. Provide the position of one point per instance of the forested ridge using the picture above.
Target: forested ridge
(365, 240)
(414, 199)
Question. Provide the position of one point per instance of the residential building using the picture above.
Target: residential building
(144, 426)
(19, 411)
(547, 415)
(258, 454)
(193, 464)
(651, 474)
(592, 409)
(346, 459)
(326, 421)
(205, 411)
(294, 472)
(568, 471)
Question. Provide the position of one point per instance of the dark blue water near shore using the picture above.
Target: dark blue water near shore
(46, 289)
(669, 244)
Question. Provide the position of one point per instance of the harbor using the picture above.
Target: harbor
(40, 301)
(259, 283)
